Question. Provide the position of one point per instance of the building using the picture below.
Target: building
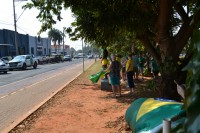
(26, 44)
(39, 46)
(58, 49)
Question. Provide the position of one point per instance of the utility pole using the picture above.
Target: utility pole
(83, 55)
(63, 40)
(15, 25)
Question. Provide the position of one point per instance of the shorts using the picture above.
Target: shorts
(115, 80)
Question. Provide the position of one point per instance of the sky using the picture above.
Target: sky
(27, 23)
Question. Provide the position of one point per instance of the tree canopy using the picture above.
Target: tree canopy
(55, 35)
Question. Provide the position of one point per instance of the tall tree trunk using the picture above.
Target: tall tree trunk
(169, 73)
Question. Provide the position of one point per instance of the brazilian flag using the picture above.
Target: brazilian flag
(147, 114)
(95, 77)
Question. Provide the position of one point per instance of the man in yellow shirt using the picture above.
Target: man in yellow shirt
(129, 73)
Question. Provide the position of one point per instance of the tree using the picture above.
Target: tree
(56, 36)
(164, 27)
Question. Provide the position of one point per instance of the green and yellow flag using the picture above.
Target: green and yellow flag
(95, 77)
(147, 114)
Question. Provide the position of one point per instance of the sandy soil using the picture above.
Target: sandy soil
(82, 107)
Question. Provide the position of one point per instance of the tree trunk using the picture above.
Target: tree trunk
(168, 87)
(170, 71)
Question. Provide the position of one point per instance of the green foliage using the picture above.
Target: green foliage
(151, 84)
(146, 71)
(55, 35)
(193, 89)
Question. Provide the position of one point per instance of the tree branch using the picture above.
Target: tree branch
(181, 11)
(185, 33)
(149, 47)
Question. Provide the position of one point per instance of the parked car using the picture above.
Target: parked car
(67, 58)
(6, 58)
(90, 56)
(56, 58)
(22, 62)
(76, 57)
(4, 66)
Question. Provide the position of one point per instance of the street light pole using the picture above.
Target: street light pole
(15, 25)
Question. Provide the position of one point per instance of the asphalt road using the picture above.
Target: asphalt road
(23, 92)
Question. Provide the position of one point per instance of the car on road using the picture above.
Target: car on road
(90, 56)
(4, 66)
(22, 62)
(6, 58)
(76, 57)
(67, 58)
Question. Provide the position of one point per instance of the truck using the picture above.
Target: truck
(22, 62)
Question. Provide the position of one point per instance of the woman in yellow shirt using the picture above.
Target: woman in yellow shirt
(129, 73)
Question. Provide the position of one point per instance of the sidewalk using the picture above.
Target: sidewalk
(81, 107)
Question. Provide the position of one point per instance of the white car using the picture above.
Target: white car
(23, 61)
(4, 66)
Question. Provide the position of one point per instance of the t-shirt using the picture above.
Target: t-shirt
(115, 69)
(129, 65)
(154, 65)
(141, 62)
(135, 61)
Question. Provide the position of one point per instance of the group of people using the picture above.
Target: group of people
(123, 68)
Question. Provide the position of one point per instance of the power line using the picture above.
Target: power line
(11, 16)
(20, 15)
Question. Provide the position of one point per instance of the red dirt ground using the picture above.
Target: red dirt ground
(82, 107)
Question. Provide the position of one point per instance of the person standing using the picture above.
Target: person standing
(129, 73)
(154, 68)
(141, 65)
(114, 74)
(123, 62)
(105, 62)
(135, 66)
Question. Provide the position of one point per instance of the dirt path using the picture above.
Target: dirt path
(81, 107)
